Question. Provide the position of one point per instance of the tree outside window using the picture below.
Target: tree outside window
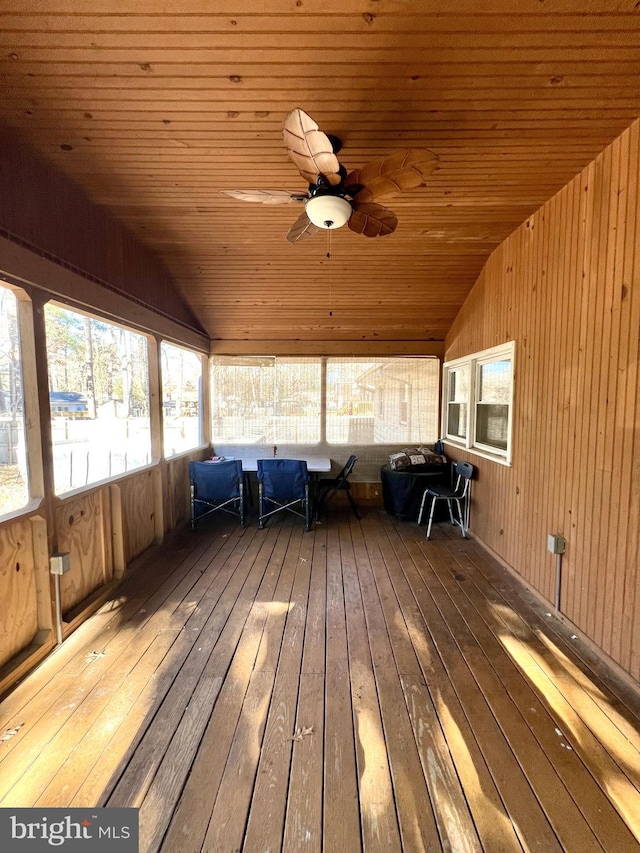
(99, 398)
(181, 398)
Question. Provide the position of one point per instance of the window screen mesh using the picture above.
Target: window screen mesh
(263, 400)
(260, 400)
(382, 401)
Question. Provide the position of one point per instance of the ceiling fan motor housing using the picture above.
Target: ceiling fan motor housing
(328, 211)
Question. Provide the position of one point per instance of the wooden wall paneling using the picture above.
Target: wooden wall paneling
(564, 438)
(519, 283)
(628, 422)
(44, 582)
(555, 349)
(548, 301)
(589, 602)
(18, 591)
(592, 602)
(609, 389)
(50, 213)
(44, 639)
(632, 605)
(616, 376)
(580, 453)
(542, 422)
(171, 510)
(627, 412)
(177, 491)
(575, 314)
(577, 232)
(536, 356)
(607, 394)
(546, 329)
(138, 512)
(520, 257)
(81, 530)
(622, 440)
(158, 505)
(531, 400)
(582, 450)
(43, 279)
(555, 521)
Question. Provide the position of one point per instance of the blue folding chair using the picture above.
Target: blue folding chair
(216, 486)
(283, 484)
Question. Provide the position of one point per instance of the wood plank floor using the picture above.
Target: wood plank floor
(353, 688)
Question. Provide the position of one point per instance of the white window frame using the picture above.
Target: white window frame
(473, 363)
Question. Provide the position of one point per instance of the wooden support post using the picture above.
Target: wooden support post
(117, 536)
(158, 505)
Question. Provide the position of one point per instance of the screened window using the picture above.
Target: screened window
(382, 400)
(14, 487)
(266, 400)
(478, 397)
(99, 397)
(181, 398)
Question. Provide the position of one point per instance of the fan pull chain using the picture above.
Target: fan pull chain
(330, 272)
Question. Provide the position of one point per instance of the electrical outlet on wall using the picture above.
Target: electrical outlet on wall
(60, 564)
(555, 543)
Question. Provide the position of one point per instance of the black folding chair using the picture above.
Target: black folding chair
(458, 495)
(329, 486)
(283, 485)
(216, 486)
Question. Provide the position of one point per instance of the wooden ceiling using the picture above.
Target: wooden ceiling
(154, 106)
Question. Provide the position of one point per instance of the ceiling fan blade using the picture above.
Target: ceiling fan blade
(267, 196)
(372, 220)
(310, 149)
(401, 171)
(302, 229)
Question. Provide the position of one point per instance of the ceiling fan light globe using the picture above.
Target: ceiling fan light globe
(328, 211)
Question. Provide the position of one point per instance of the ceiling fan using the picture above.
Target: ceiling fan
(336, 198)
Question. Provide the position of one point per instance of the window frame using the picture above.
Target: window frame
(474, 363)
(463, 365)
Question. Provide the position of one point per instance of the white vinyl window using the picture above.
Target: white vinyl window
(458, 403)
(478, 402)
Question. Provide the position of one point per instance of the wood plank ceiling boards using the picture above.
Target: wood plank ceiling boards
(153, 113)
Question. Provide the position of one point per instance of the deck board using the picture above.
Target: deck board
(353, 688)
